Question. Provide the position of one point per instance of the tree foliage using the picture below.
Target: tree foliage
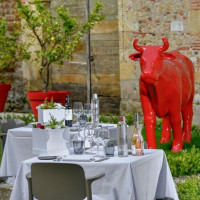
(11, 50)
(57, 35)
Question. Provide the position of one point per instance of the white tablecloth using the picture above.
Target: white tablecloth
(18, 148)
(131, 178)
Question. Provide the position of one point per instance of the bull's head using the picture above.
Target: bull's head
(151, 60)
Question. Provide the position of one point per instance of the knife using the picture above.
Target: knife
(100, 160)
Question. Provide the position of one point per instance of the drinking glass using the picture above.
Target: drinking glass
(87, 110)
(79, 141)
(78, 146)
(77, 109)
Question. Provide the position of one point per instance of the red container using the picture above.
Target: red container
(4, 89)
(37, 97)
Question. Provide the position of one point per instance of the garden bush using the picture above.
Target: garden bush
(27, 118)
(186, 163)
(189, 189)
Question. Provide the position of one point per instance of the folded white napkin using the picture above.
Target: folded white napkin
(78, 158)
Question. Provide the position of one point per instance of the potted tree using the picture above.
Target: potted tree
(11, 52)
(57, 36)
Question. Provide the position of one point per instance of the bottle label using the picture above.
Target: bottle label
(133, 149)
(68, 114)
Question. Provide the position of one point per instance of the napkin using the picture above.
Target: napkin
(78, 158)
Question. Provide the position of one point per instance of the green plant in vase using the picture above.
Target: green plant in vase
(57, 35)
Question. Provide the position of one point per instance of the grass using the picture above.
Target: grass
(166, 147)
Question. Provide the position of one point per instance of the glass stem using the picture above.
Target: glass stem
(98, 149)
(91, 147)
(104, 151)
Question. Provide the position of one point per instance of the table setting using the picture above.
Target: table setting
(133, 177)
(131, 171)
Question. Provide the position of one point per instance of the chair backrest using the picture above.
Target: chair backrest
(60, 181)
(6, 124)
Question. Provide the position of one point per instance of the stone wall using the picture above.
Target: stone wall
(114, 76)
(16, 98)
(72, 75)
(149, 21)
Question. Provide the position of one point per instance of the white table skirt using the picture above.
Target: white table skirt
(132, 178)
(18, 148)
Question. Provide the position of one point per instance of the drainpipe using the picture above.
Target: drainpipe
(88, 55)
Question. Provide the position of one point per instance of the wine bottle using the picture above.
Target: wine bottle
(137, 142)
(122, 137)
(68, 112)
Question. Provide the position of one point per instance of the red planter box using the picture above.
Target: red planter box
(37, 97)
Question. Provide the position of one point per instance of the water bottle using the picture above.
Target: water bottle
(95, 109)
(122, 137)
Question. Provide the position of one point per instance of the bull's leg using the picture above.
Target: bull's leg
(149, 121)
(175, 119)
(166, 131)
(187, 113)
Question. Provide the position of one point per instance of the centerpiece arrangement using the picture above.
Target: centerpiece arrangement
(50, 108)
(48, 138)
(57, 35)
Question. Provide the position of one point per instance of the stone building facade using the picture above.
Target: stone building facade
(17, 97)
(114, 76)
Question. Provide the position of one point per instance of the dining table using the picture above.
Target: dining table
(146, 177)
(18, 147)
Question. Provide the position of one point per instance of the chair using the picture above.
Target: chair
(6, 124)
(59, 181)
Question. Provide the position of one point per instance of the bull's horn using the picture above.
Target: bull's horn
(166, 44)
(137, 47)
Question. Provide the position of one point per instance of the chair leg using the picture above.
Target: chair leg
(88, 190)
(29, 179)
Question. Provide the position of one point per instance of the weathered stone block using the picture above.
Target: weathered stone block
(105, 67)
(127, 71)
(130, 90)
(128, 106)
(69, 78)
(105, 50)
(109, 105)
(104, 36)
(106, 27)
(111, 79)
(107, 90)
(193, 20)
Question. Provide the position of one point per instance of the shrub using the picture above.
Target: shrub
(185, 163)
(189, 189)
(27, 118)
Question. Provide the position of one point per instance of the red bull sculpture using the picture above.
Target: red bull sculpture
(166, 91)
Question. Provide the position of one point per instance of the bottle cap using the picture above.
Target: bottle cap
(122, 119)
(94, 96)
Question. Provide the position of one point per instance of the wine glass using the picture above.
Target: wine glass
(97, 140)
(104, 134)
(87, 110)
(89, 135)
(77, 109)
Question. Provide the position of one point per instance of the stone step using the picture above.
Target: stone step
(5, 191)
